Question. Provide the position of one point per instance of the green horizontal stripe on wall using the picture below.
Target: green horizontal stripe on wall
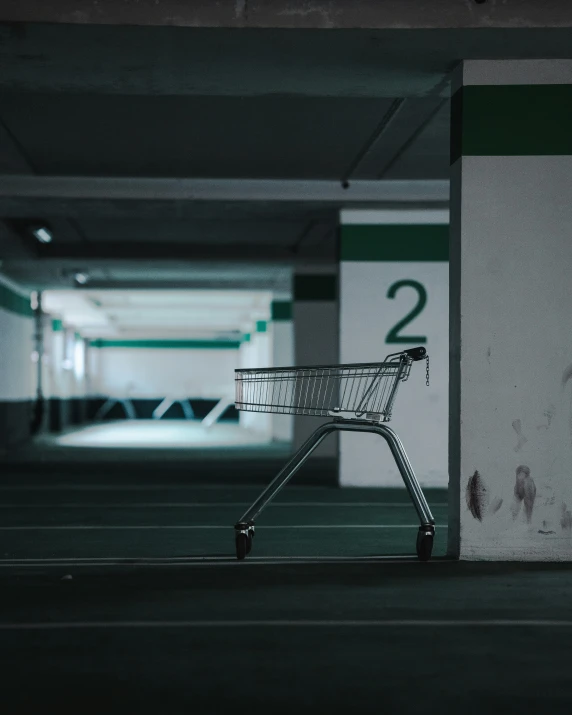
(14, 302)
(411, 242)
(281, 310)
(168, 344)
(513, 120)
(315, 287)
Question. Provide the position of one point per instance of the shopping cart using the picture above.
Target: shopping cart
(359, 397)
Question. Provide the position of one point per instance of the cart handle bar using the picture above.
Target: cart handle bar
(416, 353)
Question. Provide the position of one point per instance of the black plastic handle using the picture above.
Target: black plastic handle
(416, 353)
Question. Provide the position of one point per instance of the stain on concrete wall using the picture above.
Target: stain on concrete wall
(517, 427)
(496, 505)
(566, 519)
(524, 493)
(477, 496)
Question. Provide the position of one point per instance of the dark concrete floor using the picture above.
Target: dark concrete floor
(330, 611)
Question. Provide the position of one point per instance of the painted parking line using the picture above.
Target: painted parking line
(196, 527)
(145, 487)
(210, 505)
(240, 624)
(218, 561)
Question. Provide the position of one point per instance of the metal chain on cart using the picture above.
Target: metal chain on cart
(427, 371)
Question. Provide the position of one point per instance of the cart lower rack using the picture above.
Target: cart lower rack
(358, 397)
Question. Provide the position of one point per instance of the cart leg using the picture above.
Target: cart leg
(244, 529)
(426, 531)
(408, 475)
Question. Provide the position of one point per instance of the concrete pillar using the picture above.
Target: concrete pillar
(66, 386)
(394, 295)
(281, 331)
(315, 339)
(79, 386)
(59, 379)
(17, 371)
(511, 298)
(255, 352)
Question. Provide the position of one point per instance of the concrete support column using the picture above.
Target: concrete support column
(58, 397)
(66, 384)
(511, 298)
(255, 352)
(79, 389)
(315, 339)
(281, 331)
(394, 295)
(17, 371)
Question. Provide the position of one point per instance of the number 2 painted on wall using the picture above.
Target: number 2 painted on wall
(393, 336)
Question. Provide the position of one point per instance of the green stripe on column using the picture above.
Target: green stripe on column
(418, 242)
(246, 338)
(511, 120)
(14, 302)
(168, 344)
(281, 310)
(315, 287)
(57, 325)
(261, 326)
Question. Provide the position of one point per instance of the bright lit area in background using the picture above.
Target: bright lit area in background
(138, 434)
(156, 367)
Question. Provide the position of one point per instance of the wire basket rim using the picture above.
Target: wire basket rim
(343, 366)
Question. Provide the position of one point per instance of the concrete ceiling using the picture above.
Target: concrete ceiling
(132, 314)
(156, 103)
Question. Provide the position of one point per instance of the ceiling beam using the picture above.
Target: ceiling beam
(328, 14)
(137, 251)
(69, 188)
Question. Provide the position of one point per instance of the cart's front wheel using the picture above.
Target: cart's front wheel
(243, 546)
(424, 543)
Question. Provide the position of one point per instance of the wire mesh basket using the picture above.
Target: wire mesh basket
(359, 391)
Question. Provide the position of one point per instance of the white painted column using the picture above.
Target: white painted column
(511, 299)
(394, 295)
(18, 375)
(315, 339)
(255, 352)
(61, 382)
(281, 331)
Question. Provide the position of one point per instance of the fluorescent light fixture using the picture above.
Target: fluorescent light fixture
(81, 278)
(43, 234)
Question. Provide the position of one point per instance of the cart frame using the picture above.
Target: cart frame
(245, 527)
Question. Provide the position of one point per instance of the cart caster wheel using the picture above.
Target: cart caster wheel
(242, 546)
(424, 543)
(249, 542)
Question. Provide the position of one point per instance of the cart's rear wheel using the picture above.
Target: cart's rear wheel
(424, 543)
(242, 546)
(249, 542)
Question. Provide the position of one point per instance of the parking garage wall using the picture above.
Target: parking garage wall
(146, 371)
(17, 371)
